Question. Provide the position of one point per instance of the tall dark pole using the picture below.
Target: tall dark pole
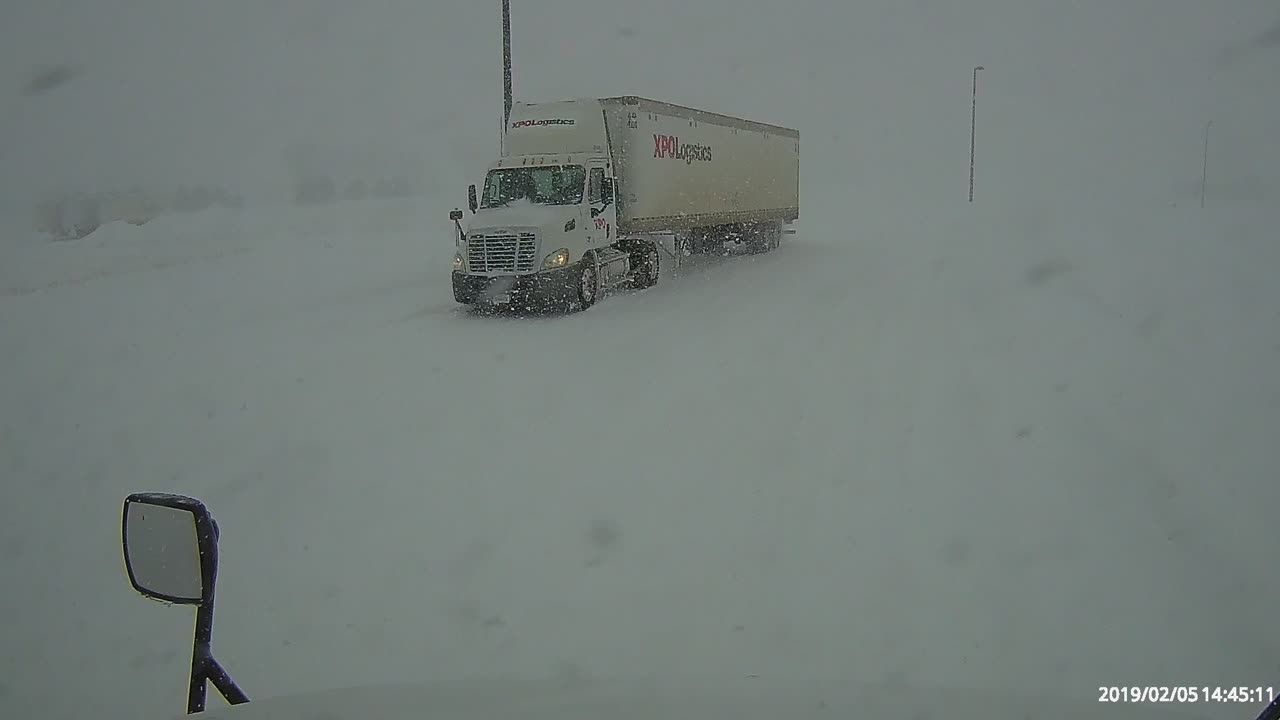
(1204, 164)
(506, 63)
(973, 129)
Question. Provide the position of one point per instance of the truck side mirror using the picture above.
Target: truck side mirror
(456, 215)
(170, 548)
(606, 196)
(471, 198)
(170, 545)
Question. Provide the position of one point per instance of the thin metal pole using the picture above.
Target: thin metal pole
(506, 63)
(1204, 164)
(973, 129)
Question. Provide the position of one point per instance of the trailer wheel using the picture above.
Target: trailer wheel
(757, 240)
(647, 268)
(764, 237)
(588, 283)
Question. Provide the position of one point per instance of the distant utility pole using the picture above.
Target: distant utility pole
(506, 63)
(973, 129)
(1204, 164)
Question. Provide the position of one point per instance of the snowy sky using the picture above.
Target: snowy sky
(164, 92)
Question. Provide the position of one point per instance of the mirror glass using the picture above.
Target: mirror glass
(163, 551)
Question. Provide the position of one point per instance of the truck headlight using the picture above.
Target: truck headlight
(458, 265)
(557, 259)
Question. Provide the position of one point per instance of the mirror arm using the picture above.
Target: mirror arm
(201, 654)
(225, 685)
(205, 667)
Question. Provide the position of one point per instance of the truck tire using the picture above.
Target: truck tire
(588, 289)
(764, 237)
(756, 238)
(646, 260)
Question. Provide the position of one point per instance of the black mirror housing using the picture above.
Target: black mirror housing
(156, 525)
(171, 554)
(471, 198)
(456, 215)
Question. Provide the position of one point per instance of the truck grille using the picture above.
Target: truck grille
(495, 253)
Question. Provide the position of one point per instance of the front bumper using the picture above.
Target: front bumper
(535, 289)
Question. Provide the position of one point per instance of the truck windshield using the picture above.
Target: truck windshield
(541, 185)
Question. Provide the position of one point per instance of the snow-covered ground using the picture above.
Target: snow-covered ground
(983, 446)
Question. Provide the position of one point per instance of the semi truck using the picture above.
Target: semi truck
(591, 194)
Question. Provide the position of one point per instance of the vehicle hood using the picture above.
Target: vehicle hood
(745, 699)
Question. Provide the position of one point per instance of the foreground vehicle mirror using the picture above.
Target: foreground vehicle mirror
(456, 215)
(471, 198)
(170, 547)
(171, 555)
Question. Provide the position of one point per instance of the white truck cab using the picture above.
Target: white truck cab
(544, 207)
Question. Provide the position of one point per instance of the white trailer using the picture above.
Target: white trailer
(589, 194)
